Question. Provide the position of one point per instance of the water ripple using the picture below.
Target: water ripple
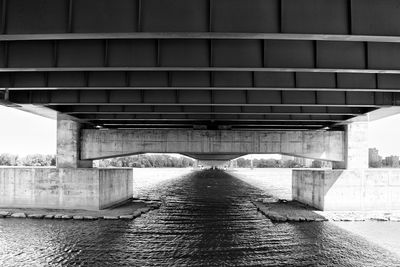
(207, 220)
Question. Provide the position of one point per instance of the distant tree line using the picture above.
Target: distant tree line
(277, 163)
(147, 161)
(138, 161)
(267, 163)
(7, 159)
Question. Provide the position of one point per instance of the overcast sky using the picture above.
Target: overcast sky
(24, 133)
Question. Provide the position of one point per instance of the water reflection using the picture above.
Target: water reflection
(207, 220)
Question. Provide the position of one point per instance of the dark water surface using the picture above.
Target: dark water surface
(207, 219)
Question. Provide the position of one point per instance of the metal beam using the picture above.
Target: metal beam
(159, 117)
(201, 35)
(126, 81)
(202, 98)
(117, 109)
(241, 127)
(61, 88)
(200, 120)
(220, 122)
(197, 69)
(214, 104)
(208, 113)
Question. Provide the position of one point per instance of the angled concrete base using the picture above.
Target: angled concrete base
(341, 190)
(64, 188)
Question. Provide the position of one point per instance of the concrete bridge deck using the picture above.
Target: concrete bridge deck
(214, 64)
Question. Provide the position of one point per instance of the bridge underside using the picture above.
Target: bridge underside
(208, 64)
(212, 66)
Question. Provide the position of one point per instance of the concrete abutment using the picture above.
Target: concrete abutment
(64, 188)
(352, 186)
(348, 190)
(74, 184)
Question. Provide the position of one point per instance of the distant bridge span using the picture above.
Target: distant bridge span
(327, 145)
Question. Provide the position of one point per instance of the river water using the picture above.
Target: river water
(207, 220)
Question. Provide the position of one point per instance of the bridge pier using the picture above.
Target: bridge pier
(356, 145)
(108, 186)
(354, 187)
(74, 184)
(64, 188)
(214, 163)
(68, 144)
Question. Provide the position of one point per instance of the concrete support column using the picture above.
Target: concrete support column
(68, 144)
(356, 150)
(214, 163)
(355, 147)
(87, 187)
(355, 188)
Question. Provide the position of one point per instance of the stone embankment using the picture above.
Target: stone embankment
(293, 211)
(287, 212)
(128, 211)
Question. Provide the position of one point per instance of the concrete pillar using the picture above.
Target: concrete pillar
(196, 164)
(349, 189)
(356, 150)
(234, 163)
(214, 163)
(74, 184)
(355, 147)
(68, 144)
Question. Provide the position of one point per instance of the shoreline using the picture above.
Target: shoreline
(293, 211)
(127, 211)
